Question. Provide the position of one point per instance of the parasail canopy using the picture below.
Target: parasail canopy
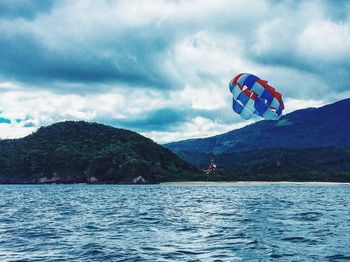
(253, 96)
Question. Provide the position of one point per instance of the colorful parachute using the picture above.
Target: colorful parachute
(253, 96)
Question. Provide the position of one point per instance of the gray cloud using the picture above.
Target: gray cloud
(28, 9)
(5, 120)
(106, 47)
(135, 54)
(131, 61)
(170, 119)
(29, 124)
(164, 119)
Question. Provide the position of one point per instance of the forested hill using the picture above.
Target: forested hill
(326, 126)
(81, 152)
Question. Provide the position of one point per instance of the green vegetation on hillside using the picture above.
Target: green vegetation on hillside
(80, 152)
(310, 144)
(280, 164)
(72, 152)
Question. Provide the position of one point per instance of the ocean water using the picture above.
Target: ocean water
(175, 222)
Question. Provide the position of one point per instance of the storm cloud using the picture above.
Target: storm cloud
(162, 67)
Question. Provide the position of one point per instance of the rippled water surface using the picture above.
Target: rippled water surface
(175, 222)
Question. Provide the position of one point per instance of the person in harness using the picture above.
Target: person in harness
(212, 167)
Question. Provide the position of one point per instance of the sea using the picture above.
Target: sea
(175, 222)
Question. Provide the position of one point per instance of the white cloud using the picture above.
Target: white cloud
(196, 46)
(325, 42)
(198, 127)
(295, 104)
(14, 131)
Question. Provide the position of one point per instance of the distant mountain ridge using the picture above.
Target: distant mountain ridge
(306, 145)
(312, 127)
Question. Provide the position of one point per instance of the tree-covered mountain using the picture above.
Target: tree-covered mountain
(326, 126)
(306, 145)
(277, 164)
(79, 152)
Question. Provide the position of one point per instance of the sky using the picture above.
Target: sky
(162, 68)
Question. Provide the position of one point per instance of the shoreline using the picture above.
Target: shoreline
(255, 182)
(199, 183)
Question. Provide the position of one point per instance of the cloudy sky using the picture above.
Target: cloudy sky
(162, 68)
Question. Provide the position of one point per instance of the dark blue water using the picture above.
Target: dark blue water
(175, 222)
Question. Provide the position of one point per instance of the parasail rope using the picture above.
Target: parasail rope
(215, 152)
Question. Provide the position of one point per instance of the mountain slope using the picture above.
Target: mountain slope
(71, 152)
(312, 127)
(307, 145)
(277, 164)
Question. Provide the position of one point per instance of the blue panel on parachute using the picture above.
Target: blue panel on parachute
(243, 98)
(260, 106)
(267, 95)
(250, 80)
(231, 86)
(279, 111)
(242, 79)
(237, 107)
